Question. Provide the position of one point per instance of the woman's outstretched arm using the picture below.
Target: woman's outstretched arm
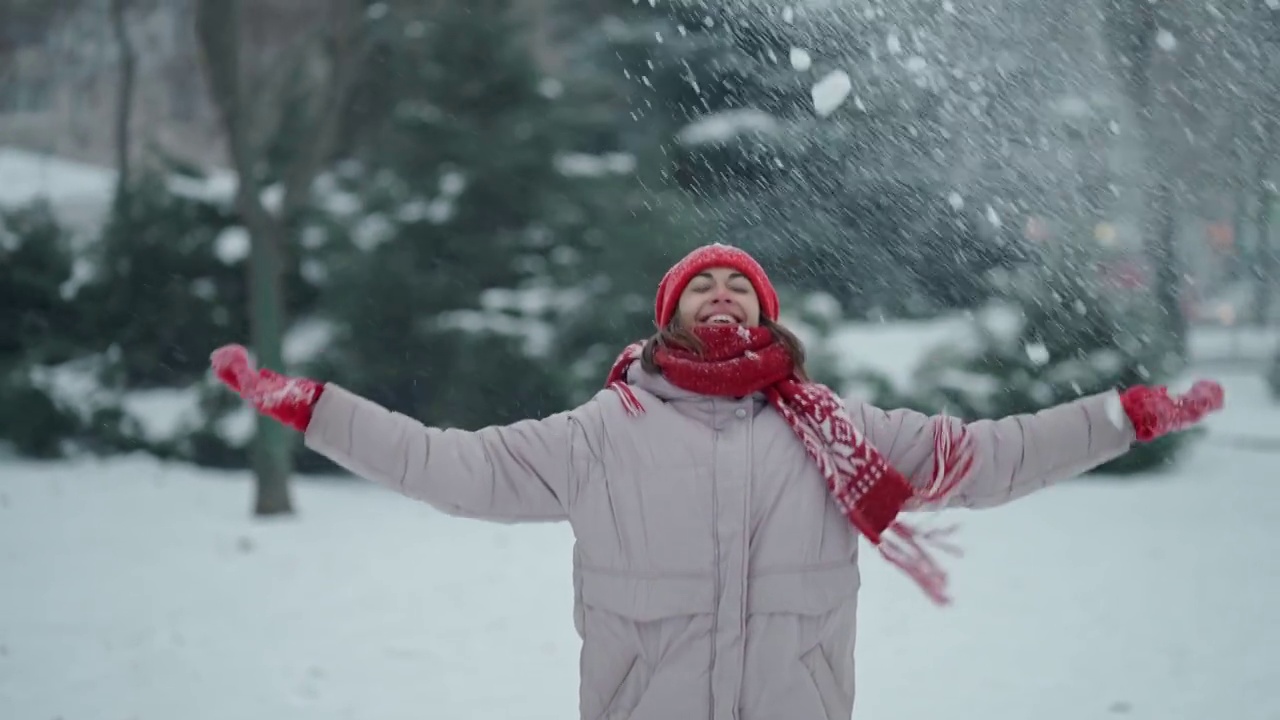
(1019, 454)
(523, 472)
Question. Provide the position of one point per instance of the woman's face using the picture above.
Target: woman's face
(719, 296)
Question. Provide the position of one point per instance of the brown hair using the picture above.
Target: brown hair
(676, 336)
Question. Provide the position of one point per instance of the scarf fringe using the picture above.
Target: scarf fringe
(953, 458)
(630, 402)
(904, 547)
(909, 548)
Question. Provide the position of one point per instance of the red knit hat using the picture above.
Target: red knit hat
(710, 256)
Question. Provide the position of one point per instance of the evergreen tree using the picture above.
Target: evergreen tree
(135, 308)
(501, 228)
(1060, 334)
(35, 313)
(158, 291)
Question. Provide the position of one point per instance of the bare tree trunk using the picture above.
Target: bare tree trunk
(1162, 249)
(272, 452)
(218, 24)
(1131, 31)
(1241, 196)
(1239, 218)
(124, 97)
(1266, 263)
(251, 110)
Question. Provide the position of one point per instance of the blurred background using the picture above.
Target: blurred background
(461, 211)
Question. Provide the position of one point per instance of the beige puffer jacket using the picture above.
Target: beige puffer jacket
(715, 579)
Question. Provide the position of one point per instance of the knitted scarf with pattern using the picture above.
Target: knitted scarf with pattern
(738, 361)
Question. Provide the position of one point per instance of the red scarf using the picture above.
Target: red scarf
(739, 361)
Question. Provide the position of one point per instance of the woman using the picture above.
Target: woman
(717, 495)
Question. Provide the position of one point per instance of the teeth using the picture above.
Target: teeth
(722, 320)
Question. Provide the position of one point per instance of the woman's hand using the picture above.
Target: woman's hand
(286, 399)
(1154, 412)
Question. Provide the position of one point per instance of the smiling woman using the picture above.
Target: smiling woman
(719, 296)
(722, 286)
(718, 497)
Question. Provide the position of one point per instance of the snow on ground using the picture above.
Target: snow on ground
(138, 590)
(30, 175)
(79, 192)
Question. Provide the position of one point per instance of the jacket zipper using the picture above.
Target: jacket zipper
(749, 430)
(715, 538)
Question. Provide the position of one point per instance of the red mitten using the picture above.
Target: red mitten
(288, 400)
(1154, 412)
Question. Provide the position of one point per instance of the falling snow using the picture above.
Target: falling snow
(800, 59)
(1020, 118)
(893, 43)
(830, 92)
(724, 126)
(1037, 353)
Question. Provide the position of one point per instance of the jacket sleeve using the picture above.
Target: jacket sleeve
(522, 472)
(1013, 456)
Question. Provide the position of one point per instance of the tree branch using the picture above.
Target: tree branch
(252, 119)
(218, 33)
(273, 83)
(348, 48)
(124, 94)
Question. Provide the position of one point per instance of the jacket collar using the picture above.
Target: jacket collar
(715, 412)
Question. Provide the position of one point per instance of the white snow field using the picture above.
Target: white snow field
(138, 591)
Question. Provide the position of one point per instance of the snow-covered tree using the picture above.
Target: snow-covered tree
(500, 246)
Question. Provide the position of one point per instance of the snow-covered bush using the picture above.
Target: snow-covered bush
(104, 338)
